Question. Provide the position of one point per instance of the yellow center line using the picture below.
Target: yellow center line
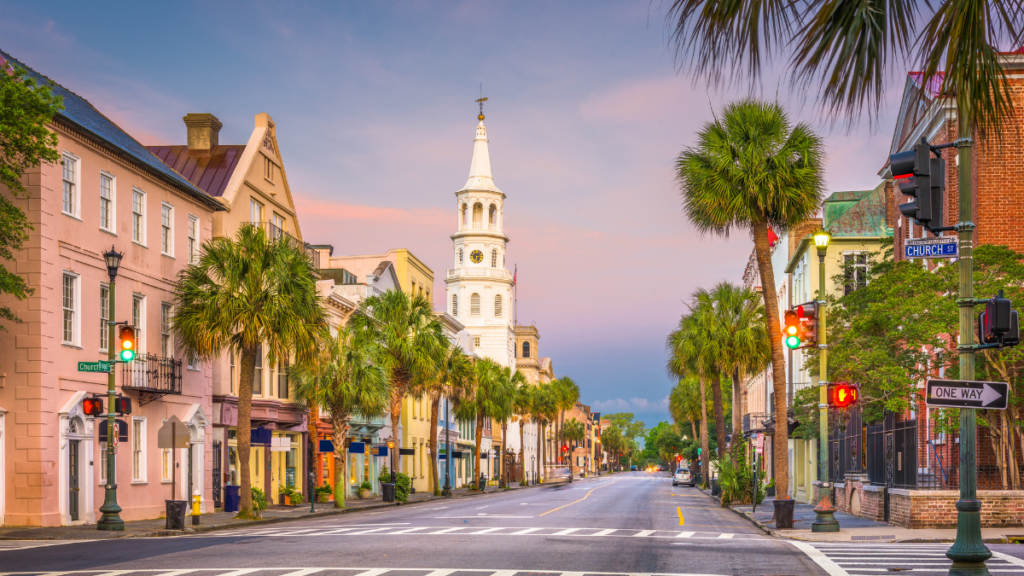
(680, 511)
(580, 500)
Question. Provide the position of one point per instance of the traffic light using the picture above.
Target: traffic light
(127, 343)
(924, 178)
(679, 458)
(92, 406)
(999, 323)
(565, 447)
(123, 405)
(791, 331)
(808, 316)
(843, 395)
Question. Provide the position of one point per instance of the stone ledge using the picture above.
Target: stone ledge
(872, 488)
(952, 493)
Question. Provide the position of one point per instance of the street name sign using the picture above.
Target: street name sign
(967, 394)
(98, 366)
(941, 247)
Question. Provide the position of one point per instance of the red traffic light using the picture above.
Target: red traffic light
(123, 405)
(565, 447)
(679, 458)
(92, 406)
(843, 395)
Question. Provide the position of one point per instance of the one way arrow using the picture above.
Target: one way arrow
(967, 394)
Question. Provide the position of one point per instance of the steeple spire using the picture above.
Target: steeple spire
(480, 168)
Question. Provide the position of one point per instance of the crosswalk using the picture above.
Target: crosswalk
(406, 530)
(336, 571)
(847, 559)
(26, 544)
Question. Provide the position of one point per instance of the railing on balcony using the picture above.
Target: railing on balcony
(754, 421)
(277, 233)
(500, 273)
(151, 376)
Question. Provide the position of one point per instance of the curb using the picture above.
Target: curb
(757, 523)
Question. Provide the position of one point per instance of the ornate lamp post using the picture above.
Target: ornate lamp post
(111, 519)
(447, 492)
(825, 520)
(391, 453)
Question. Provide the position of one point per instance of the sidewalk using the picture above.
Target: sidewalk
(220, 520)
(855, 528)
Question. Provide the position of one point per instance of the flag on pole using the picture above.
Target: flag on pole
(514, 274)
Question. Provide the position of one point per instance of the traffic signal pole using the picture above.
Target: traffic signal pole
(111, 519)
(825, 519)
(968, 552)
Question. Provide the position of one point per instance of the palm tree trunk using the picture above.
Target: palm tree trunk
(338, 435)
(396, 417)
(435, 483)
(703, 433)
(737, 408)
(522, 452)
(479, 440)
(501, 453)
(540, 453)
(780, 442)
(693, 427)
(247, 372)
(716, 394)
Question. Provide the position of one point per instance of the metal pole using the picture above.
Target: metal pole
(968, 552)
(447, 492)
(111, 520)
(825, 520)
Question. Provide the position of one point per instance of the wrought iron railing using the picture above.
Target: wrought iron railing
(754, 421)
(151, 376)
(275, 232)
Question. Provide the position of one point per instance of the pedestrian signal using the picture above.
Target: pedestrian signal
(843, 395)
(123, 405)
(92, 406)
(127, 343)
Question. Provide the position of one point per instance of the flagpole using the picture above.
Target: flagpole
(515, 297)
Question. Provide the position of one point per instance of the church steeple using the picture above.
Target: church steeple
(480, 168)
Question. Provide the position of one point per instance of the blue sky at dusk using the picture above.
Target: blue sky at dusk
(375, 118)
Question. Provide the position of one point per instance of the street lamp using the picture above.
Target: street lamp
(111, 519)
(391, 452)
(447, 492)
(825, 520)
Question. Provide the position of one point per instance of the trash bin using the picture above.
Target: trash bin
(232, 498)
(715, 488)
(389, 491)
(176, 510)
(784, 513)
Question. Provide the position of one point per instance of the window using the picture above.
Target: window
(478, 215)
(476, 341)
(497, 306)
(103, 462)
(282, 380)
(138, 316)
(460, 255)
(166, 229)
(474, 305)
(278, 222)
(193, 239)
(855, 268)
(257, 380)
(70, 177)
(139, 217)
(526, 349)
(104, 317)
(231, 375)
(166, 465)
(107, 202)
(455, 304)
(492, 215)
(268, 169)
(70, 304)
(165, 330)
(192, 363)
(139, 450)
(255, 211)
(494, 258)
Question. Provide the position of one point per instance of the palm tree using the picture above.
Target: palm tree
(452, 379)
(743, 339)
(752, 170)
(542, 411)
(684, 404)
(573, 431)
(243, 294)
(522, 407)
(346, 380)
(512, 381)
(705, 336)
(409, 336)
(567, 394)
(491, 398)
(687, 358)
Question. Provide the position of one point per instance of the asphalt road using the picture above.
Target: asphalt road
(633, 523)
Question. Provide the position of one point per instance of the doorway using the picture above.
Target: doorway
(74, 476)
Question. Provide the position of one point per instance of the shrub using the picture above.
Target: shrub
(736, 479)
(294, 496)
(366, 485)
(403, 484)
(259, 500)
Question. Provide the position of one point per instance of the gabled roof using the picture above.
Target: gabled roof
(209, 171)
(79, 112)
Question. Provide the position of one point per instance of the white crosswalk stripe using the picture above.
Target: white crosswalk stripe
(849, 559)
(26, 544)
(393, 530)
(297, 571)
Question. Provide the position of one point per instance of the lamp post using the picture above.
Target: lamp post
(111, 520)
(825, 520)
(447, 492)
(391, 453)
(533, 467)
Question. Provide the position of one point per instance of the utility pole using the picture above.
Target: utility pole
(111, 519)
(825, 519)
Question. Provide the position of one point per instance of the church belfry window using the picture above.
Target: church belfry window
(526, 349)
(478, 215)
(460, 255)
(497, 306)
(492, 215)
(455, 304)
(474, 305)
(494, 258)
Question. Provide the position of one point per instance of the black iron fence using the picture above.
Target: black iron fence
(151, 376)
(754, 421)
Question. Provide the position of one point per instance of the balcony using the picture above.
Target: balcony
(754, 421)
(482, 272)
(152, 377)
(276, 233)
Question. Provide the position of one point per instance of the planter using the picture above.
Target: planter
(364, 494)
(324, 498)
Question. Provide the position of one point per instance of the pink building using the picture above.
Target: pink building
(108, 191)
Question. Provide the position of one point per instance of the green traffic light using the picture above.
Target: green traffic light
(792, 341)
(127, 355)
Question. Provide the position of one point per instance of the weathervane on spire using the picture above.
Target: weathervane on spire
(481, 101)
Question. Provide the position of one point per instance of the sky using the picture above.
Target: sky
(374, 105)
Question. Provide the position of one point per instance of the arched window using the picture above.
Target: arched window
(460, 255)
(464, 216)
(478, 215)
(497, 306)
(492, 215)
(526, 349)
(494, 258)
(455, 304)
(474, 305)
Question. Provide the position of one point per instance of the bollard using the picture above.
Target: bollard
(196, 499)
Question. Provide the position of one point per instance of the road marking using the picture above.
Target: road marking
(447, 530)
(581, 499)
(643, 533)
(373, 572)
(407, 530)
(1008, 558)
(726, 536)
(479, 516)
(685, 534)
(440, 573)
(303, 572)
(358, 572)
(565, 532)
(824, 562)
(604, 532)
(486, 530)
(527, 531)
(679, 509)
(367, 531)
(481, 507)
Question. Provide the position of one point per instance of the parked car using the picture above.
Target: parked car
(632, 468)
(683, 476)
(558, 475)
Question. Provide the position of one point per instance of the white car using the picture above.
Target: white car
(682, 476)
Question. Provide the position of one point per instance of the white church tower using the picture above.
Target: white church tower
(479, 286)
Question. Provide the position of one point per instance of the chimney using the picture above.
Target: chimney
(203, 131)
